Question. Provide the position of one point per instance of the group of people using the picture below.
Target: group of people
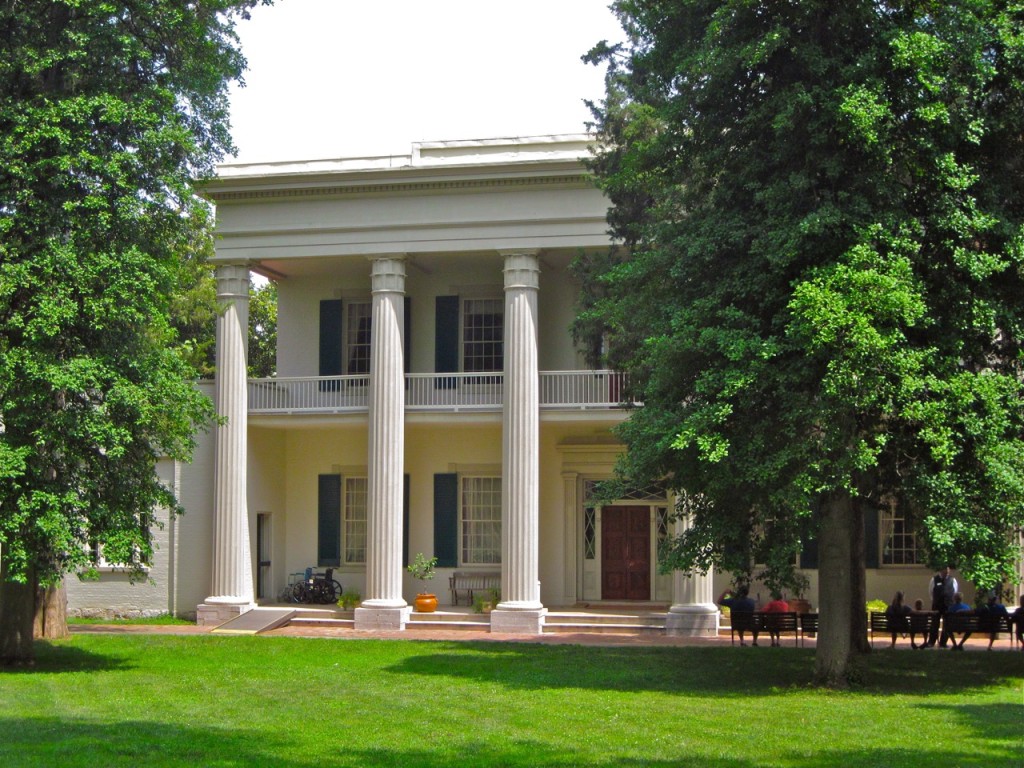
(947, 599)
(741, 602)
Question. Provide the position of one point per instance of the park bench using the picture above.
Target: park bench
(808, 625)
(914, 624)
(980, 624)
(759, 623)
(783, 623)
(468, 583)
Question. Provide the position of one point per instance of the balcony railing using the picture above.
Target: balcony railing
(433, 392)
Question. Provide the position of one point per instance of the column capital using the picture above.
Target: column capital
(387, 273)
(522, 269)
(232, 281)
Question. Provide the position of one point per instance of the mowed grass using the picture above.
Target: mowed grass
(161, 700)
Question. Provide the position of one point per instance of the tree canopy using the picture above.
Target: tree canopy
(109, 111)
(821, 296)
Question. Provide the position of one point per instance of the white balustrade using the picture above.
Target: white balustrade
(437, 392)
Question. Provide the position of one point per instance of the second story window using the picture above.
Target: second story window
(899, 543)
(483, 329)
(358, 315)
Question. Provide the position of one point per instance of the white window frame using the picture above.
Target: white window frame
(471, 550)
(892, 524)
(356, 311)
(466, 303)
(354, 519)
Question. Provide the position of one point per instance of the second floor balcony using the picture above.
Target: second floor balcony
(434, 392)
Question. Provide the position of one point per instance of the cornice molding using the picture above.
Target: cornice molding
(577, 180)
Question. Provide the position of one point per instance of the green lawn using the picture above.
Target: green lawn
(156, 700)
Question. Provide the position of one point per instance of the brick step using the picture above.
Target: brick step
(449, 617)
(557, 627)
(322, 621)
(615, 619)
(448, 624)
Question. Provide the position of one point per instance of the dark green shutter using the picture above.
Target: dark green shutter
(407, 328)
(809, 554)
(446, 338)
(446, 520)
(405, 520)
(330, 342)
(328, 539)
(870, 537)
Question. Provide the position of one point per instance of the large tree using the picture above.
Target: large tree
(109, 111)
(821, 299)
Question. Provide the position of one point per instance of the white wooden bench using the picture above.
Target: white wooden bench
(464, 584)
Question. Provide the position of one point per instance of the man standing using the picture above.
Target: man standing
(942, 587)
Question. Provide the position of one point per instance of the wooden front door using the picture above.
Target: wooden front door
(625, 553)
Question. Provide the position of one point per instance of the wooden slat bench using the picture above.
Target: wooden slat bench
(760, 623)
(918, 623)
(467, 583)
(808, 625)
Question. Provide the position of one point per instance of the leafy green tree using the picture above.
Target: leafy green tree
(262, 329)
(108, 113)
(821, 299)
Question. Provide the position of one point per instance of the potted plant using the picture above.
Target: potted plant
(487, 601)
(349, 600)
(422, 569)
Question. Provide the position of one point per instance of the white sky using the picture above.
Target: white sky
(342, 78)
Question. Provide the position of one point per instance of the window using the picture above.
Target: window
(358, 320)
(899, 544)
(354, 522)
(483, 329)
(480, 520)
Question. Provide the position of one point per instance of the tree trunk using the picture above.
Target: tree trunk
(832, 657)
(17, 611)
(51, 620)
(858, 580)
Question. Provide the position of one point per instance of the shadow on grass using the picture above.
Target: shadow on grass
(56, 658)
(722, 671)
(71, 744)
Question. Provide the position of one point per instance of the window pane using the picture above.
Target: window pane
(483, 330)
(481, 520)
(899, 545)
(355, 519)
(357, 337)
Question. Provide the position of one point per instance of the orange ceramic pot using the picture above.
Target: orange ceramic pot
(425, 603)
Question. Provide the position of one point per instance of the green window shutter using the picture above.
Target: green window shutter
(405, 520)
(330, 342)
(809, 554)
(328, 539)
(446, 338)
(871, 537)
(446, 520)
(407, 328)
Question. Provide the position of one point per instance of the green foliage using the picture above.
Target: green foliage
(486, 601)
(876, 606)
(422, 567)
(824, 289)
(108, 115)
(262, 329)
(349, 600)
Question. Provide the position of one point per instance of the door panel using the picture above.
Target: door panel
(625, 553)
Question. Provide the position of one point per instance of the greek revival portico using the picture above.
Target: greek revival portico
(411, 247)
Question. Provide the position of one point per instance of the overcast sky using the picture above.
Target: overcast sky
(342, 78)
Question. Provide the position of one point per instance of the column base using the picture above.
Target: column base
(518, 622)
(382, 618)
(692, 620)
(213, 612)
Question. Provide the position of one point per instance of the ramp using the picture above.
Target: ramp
(255, 621)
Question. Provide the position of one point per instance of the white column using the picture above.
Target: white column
(383, 606)
(520, 609)
(693, 612)
(232, 566)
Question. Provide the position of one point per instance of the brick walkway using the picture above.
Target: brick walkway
(464, 635)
